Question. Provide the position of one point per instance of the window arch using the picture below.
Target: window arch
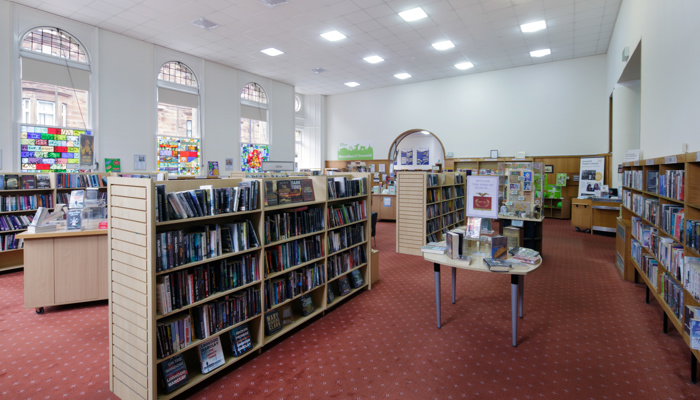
(254, 115)
(178, 120)
(54, 121)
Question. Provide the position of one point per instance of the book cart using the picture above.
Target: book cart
(657, 228)
(428, 205)
(134, 275)
(18, 206)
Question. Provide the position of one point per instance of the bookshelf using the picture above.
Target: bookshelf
(428, 205)
(660, 198)
(134, 276)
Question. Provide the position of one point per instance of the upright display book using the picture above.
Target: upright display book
(513, 235)
(331, 293)
(211, 354)
(284, 192)
(241, 340)
(495, 265)
(74, 220)
(11, 181)
(43, 181)
(473, 228)
(307, 304)
(287, 315)
(343, 285)
(2, 182)
(434, 248)
(356, 279)
(307, 190)
(273, 322)
(28, 181)
(77, 198)
(172, 373)
(295, 191)
(694, 334)
(499, 247)
(271, 193)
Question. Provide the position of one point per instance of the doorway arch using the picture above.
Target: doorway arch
(394, 148)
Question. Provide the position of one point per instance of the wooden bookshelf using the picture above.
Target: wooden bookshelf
(426, 210)
(657, 214)
(133, 275)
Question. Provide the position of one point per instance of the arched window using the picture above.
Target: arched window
(178, 120)
(54, 121)
(254, 115)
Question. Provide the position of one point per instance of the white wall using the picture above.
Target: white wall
(670, 96)
(556, 108)
(625, 121)
(124, 73)
(416, 141)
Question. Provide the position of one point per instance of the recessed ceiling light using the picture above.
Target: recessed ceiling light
(464, 65)
(352, 84)
(540, 53)
(272, 52)
(373, 59)
(444, 45)
(317, 70)
(533, 26)
(204, 23)
(332, 36)
(413, 14)
(402, 75)
(273, 3)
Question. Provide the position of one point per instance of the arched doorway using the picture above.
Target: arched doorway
(424, 147)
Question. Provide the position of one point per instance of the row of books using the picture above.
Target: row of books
(433, 195)
(692, 233)
(646, 234)
(432, 210)
(287, 191)
(173, 334)
(288, 224)
(647, 207)
(343, 262)
(9, 242)
(447, 206)
(185, 287)
(214, 316)
(671, 220)
(205, 201)
(29, 181)
(691, 277)
(70, 180)
(293, 283)
(434, 180)
(347, 213)
(345, 237)
(14, 222)
(691, 325)
(673, 295)
(671, 256)
(290, 254)
(178, 247)
(340, 187)
(672, 184)
(633, 179)
(25, 202)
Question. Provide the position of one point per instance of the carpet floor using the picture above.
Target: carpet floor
(586, 334)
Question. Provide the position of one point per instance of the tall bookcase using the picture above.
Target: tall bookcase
(428, 205)
(20, 203)
(660, 197)
(133, 256)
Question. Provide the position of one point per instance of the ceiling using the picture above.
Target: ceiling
(484, 32)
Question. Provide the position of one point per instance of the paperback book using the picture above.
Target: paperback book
(307, 190)
(356, 278)
(273, 322)
(211, 354)
(495, 265)
(434, 248)
(241, 340)
(307, 304)
(172, 373)
(343, 285)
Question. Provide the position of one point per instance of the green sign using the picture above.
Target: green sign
(356, 151)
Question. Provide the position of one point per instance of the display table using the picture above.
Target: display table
(517, 282)
(64, 267)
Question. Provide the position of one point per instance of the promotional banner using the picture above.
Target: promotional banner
(361, 150)
(591, 175)
(422, 157)
(482, 196)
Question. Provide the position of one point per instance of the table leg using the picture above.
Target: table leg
(514, 307)
(454, 283)
(436, 268)
(521, 290)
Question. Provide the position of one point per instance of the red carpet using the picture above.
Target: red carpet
(586, 335)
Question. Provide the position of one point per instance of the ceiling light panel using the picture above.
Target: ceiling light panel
(464, 65)
(333, 36)
(272, 52)
(204, 23)
(352, 84)
(413, 14)
(540, 53)
(444, 45)
(373, 59)
(402, 75)
(533, 26)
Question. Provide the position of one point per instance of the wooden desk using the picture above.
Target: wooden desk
(517, 283)
(595, 214)
(384, 205)
(64, 267)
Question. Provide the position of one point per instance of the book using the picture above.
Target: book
(473, 228)
(495, 265)
(11, 181)
(295, 191)
(331, 293)
(512, 233)
(307, 304)
(77, 198)
(241, 340)
(286, 314)
(307, 190)
(356, 279)
(172, 373)
(74, 219)
(211, 354)
(28, 181)
(499, 247)
(271, 193)
(525, 255)
(694, 334)
(434, 248)
(343, 285)
(273, 322)
(284, 192)
(2, 182)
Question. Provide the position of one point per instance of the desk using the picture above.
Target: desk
(517, 282)
(596, 214)
(384, 205)
(64, 267)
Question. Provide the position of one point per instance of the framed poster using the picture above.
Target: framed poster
(482, 196)
(591, 175)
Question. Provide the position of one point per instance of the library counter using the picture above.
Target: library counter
(517, 282)
(64, 267)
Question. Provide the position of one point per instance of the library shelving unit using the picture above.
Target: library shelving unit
(557, 208)
(660, 209)
(428, 205)
(293, 248)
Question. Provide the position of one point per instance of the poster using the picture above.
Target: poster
(113, 165)
(87, 149)
(45, 149)
(252, 156)
(482, 196)
(229, 164)
(591, 175)
(407, 157)
(213, 169)
(422, 157)
(360, 150)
